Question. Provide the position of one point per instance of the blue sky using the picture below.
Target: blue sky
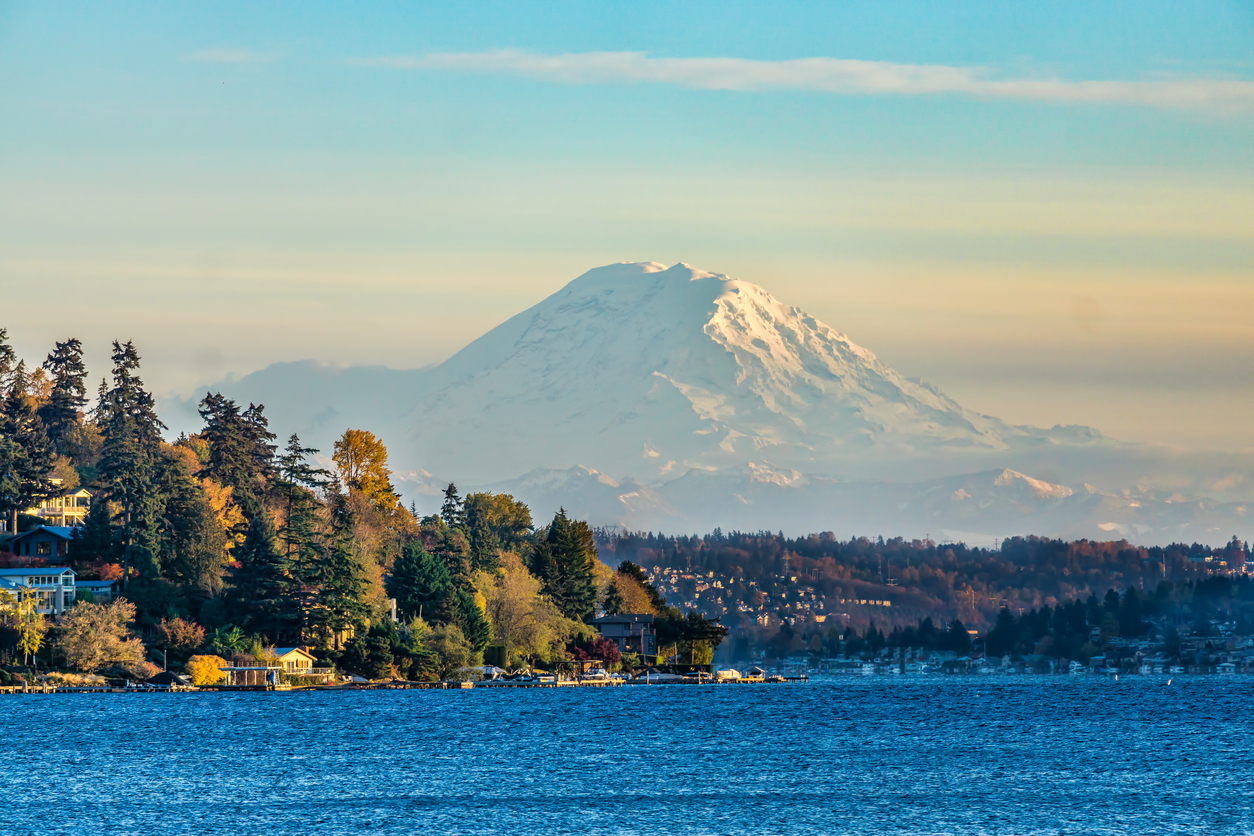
(1046, 209)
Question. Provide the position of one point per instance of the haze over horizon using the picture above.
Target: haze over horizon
(1048, 213)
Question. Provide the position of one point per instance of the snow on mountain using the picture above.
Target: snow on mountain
(678, 399)
(645, 371)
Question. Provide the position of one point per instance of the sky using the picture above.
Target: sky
(1047, 210)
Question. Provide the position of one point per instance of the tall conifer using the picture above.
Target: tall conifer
(132, 438)
(69, 393)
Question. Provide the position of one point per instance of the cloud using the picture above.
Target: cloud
(230, 56)
(829, 75)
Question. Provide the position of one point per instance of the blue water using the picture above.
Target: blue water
(1011, 755)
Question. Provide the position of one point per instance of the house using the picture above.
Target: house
(632, 632)
(66, 508)
(53, 586)
(46, 541)
(293, 659)
(105, 591)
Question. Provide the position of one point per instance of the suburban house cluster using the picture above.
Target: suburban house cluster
(40, 549)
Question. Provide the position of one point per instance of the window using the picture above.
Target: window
(43, 548)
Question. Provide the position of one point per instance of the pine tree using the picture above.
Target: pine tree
(296, 480)
(421, 585)
(62, 412)
(95, 538)
(241, 456)
(563, 562)
(450, 546)
(452, 512)
(8, 361)
(468, 616)
(265, 596)
(25, 453)
(132, 439)
(614, 602)
(340, 601)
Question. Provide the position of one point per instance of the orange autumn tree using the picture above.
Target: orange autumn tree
(362, 463)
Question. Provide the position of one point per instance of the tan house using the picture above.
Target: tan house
(293, 659)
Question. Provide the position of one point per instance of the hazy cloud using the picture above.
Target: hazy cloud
(230, 56)
(830, 75)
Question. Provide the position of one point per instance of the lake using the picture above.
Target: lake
(865, 755)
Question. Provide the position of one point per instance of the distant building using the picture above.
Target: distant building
(632, 632)
(53, 586)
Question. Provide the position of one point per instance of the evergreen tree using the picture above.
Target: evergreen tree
(468, 616)
(340, 579)
(62, 412)
(562, 560)
(8, 361)
(1001, 639)
(193, 544)
(494, 523)
(295, 483)
(132, 439)
(240, 453)
(25, 453)
(450, 546)
(614, 602)
(265, 595)
(452, 512)
(421, 585)
(95, 539)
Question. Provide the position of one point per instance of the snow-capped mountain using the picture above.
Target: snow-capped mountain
(647, 372)
(680, 399)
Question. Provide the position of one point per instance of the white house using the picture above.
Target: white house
(52, 585)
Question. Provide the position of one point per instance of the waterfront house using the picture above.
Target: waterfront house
(293, 659)
(49, 541)
(632, 632)
(53, 586)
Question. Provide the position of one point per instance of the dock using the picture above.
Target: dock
(44, 688)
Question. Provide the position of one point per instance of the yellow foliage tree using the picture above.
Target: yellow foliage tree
(522, 617)
(206, 670)
(362, 462)
(228, 514)
(634, 597)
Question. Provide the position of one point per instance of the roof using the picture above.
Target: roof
(35, 570)
(95, 584)
(625, 618)
(282, 652)
(65, 532)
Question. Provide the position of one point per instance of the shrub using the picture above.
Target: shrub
(204, 670)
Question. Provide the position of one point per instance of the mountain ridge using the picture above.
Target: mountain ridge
(662, 377)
